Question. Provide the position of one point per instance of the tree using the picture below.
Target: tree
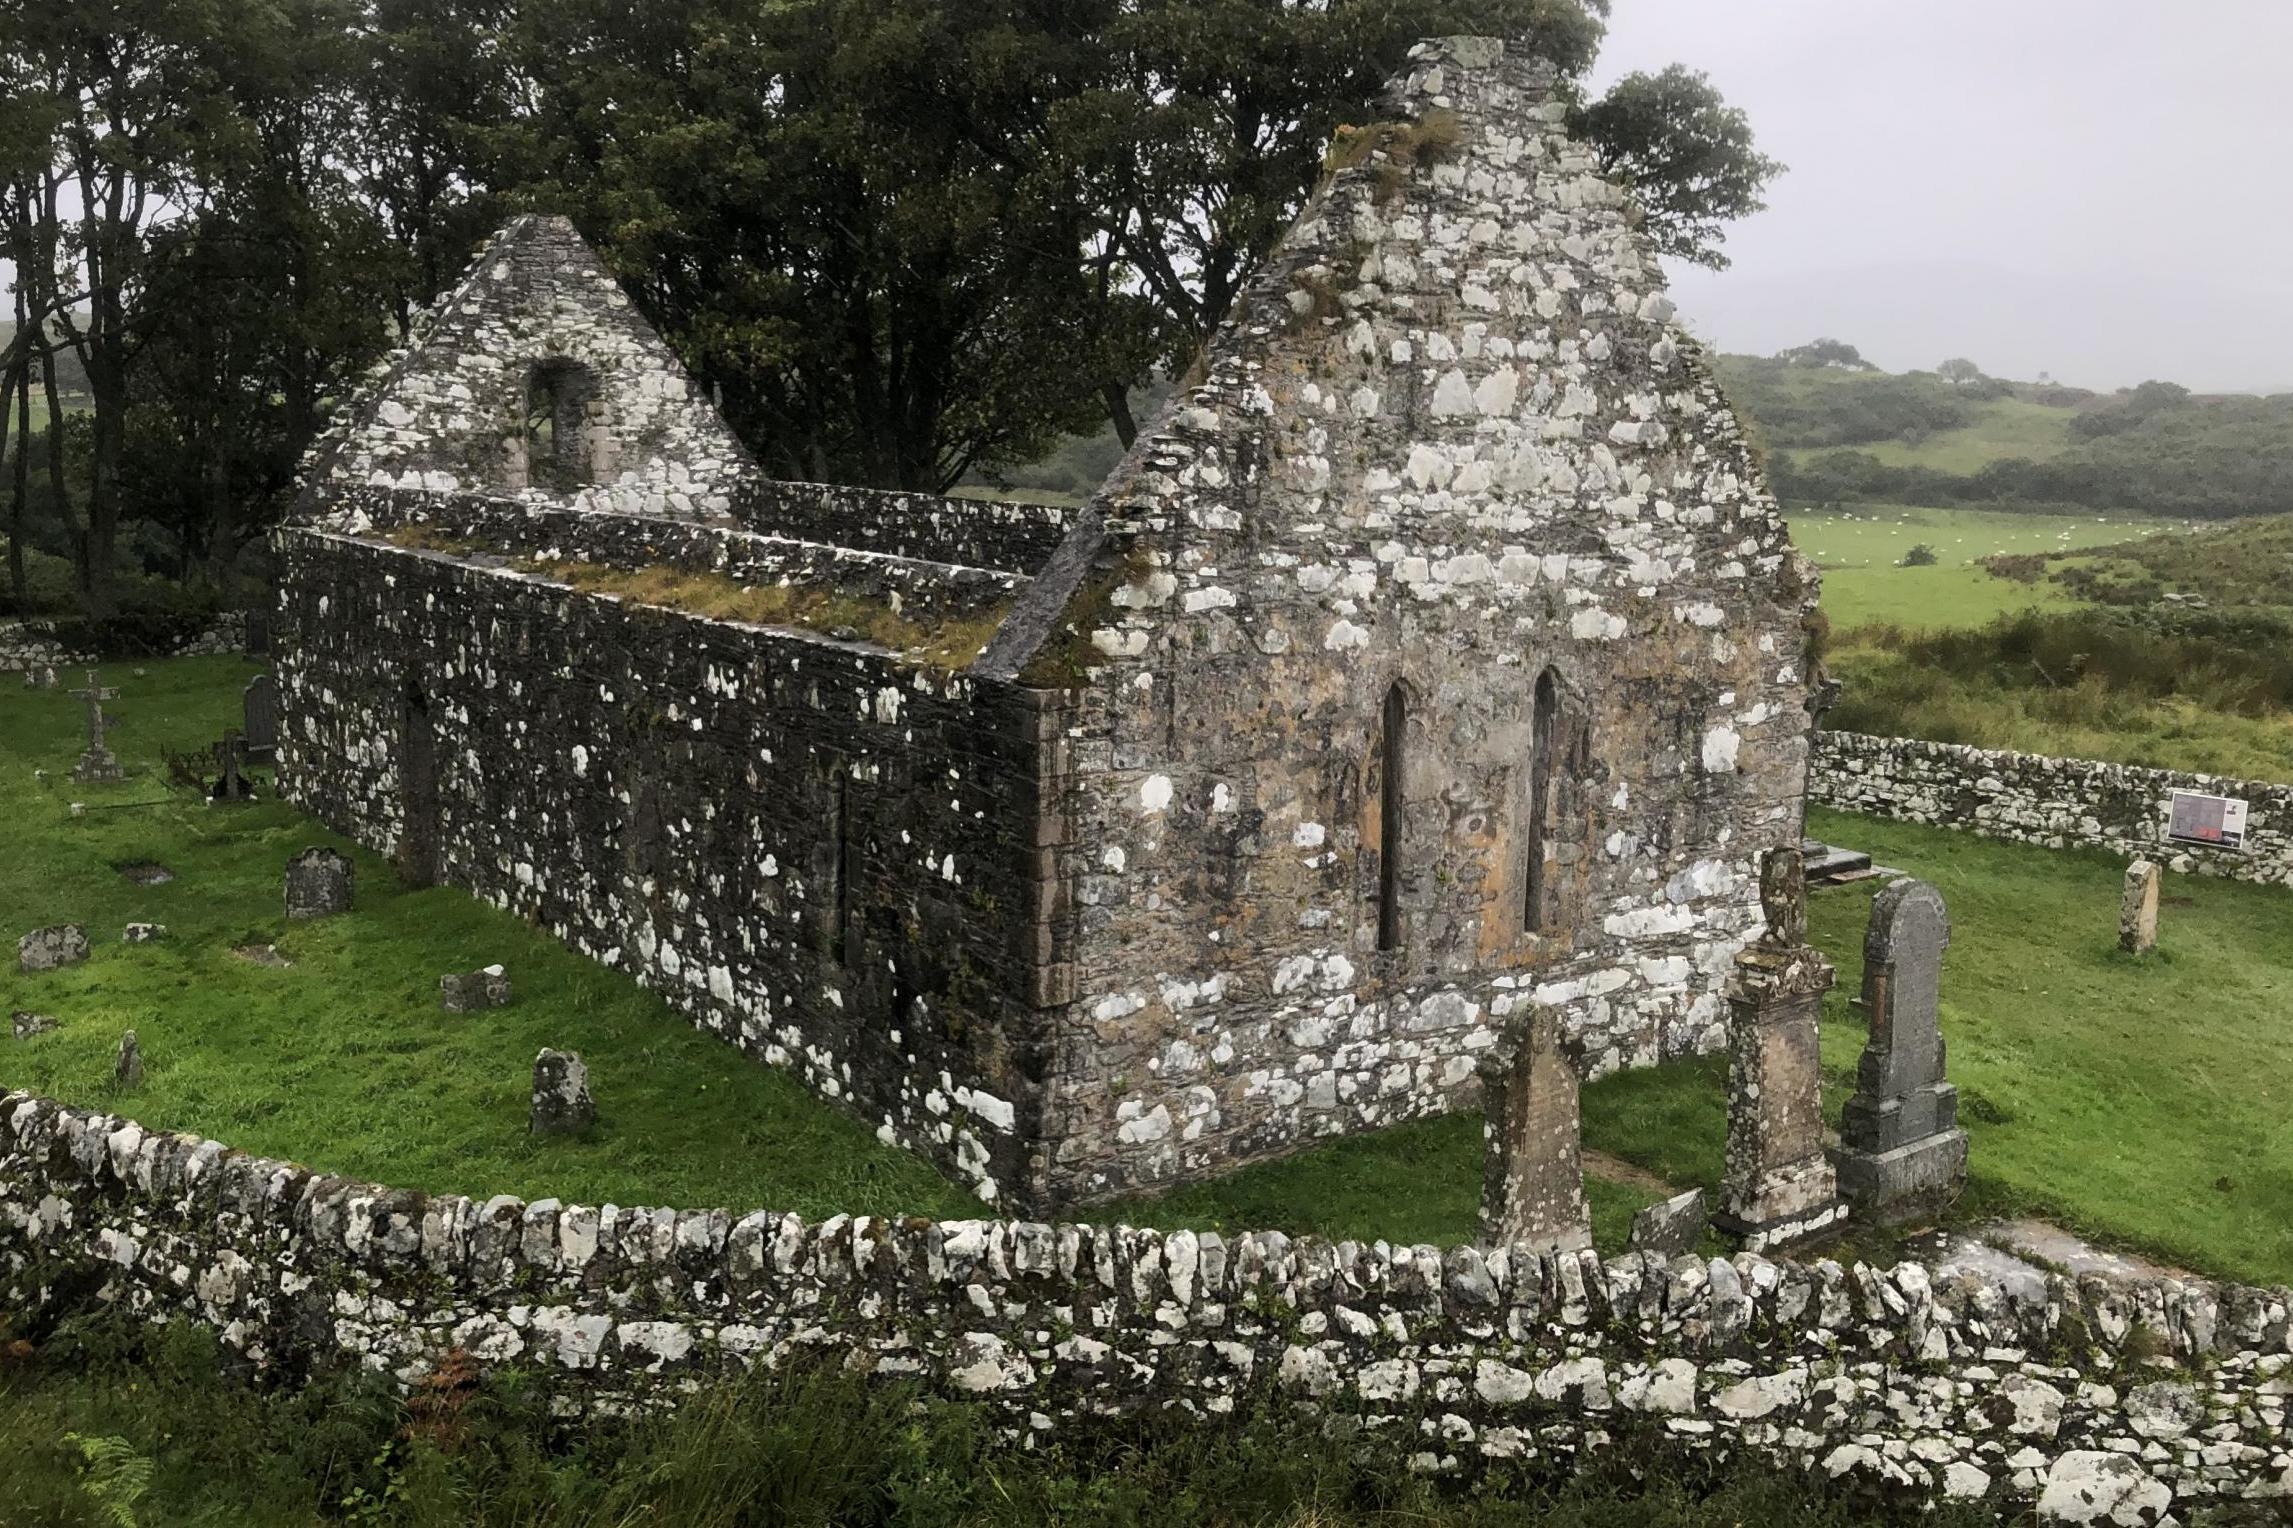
(1959, 371)
(1826, 352)
(1686, 153)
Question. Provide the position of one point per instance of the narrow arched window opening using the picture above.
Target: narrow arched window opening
(1392, 770)
(561, 428)
(840, 942)
(1539, 848)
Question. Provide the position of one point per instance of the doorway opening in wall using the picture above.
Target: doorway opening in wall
(1391, 766)
(417, 790)
(1538, 839)
(559, 433)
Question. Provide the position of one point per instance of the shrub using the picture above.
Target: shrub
(1921, 556)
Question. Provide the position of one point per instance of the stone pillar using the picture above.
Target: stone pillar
(1779, 1188)
(1532, 1172)
(2138, 909)
(1901, 1153)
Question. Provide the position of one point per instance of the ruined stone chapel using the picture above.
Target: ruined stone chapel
(1438, 656)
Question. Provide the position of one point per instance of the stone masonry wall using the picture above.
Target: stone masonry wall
(1453, 444)
(2058, 803)
(974, 533)
(448, 413)
(1906, 1379)
(23, 647)
(823, 854)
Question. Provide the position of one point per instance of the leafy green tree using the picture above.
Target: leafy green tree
(1959, 371)
(1686, 153)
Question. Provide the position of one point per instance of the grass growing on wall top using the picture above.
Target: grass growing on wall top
(345, 1062)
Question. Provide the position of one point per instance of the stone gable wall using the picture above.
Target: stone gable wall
(2056, 803)
(439, 414)
(662, 791)
(1904, 1379)
(1452, 441)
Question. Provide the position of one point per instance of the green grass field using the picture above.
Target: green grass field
(2138, 1101)
(2002, 428)
(1861, 550)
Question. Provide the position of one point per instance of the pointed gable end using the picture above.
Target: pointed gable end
(536, 375)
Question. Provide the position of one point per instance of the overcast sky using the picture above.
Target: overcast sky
(2102, 189)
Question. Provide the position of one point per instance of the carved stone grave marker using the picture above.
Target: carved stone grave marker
(2138, 909)
(128, 1068)
(259, 706)
(320, 883)
(1532, 1183)
(231, 762)
(1901, 1153)
(471, 991)
(561, 1101)
(97, 766)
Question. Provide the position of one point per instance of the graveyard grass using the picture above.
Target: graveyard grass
(2139, 1102)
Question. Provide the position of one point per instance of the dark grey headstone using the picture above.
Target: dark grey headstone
(471, 991)
(1671, 1229)
(320, 883)
(1901, 1154)
(561, 1101)
(51, 949)
(258, 633)
(128, 1069)
(25, 1025)
(259, 705)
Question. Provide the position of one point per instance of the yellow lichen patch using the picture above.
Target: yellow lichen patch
(946, 644)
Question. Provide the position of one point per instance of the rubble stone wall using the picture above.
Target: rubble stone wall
(1453, 451)
(23, 647)
(2057, 803)
(1954, 1386)
(822, 853)
(973, 533)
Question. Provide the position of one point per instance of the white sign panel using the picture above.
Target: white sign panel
(2218, 821)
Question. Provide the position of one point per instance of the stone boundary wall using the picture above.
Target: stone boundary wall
(2057, 803)
(518, 529)
(23, 648)
(974, 533)
(1956, 1385)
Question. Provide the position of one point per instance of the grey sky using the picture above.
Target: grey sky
(2092, 187)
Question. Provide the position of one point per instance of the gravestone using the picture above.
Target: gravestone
(144, 933)
(1532, 1173)
(259, 709)
(258, 636)
(1901, 1154)
(97, 766)
(472, 991)
(561, 1101)
(25, 1025)
(50, 949)
(231, 762)
(320, 883)
(1780, 1188)
(1671, 1229)
(128, 1069)
(41, 676)
(2138, 909)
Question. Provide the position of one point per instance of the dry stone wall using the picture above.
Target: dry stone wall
(1905, 1379)
(822, 853)
(1455, 493)
(2057, 803)
(24, 645)
(974, 533)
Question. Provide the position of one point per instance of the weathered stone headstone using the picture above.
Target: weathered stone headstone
(2138, 909)
(25, 1025)
(259, 707)
(469, 992)
(231, 760)
(144, 933)
(320, 883)
(128, 1069)
(561, 1101)
(1532, 1173)
(49, 949)
(1671, 1229)
(97, 764)
(1780, 1188)
(41, 676)
(1901, 1153)
(258, 643)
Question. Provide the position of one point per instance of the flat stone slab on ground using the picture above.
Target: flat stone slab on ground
(144, 933)
(147, 873)
(471, 991)
(25, 1025)
(263, 955)
(50, 949)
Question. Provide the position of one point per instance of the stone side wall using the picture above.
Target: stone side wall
(975, 533)
(547, 534)
(22, 647)
(1911, 1381)
(2058, 803)
(447, 413)
(823, 854)
(1453, 443)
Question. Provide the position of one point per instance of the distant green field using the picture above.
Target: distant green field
(2004, 427)
(1860, 551)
